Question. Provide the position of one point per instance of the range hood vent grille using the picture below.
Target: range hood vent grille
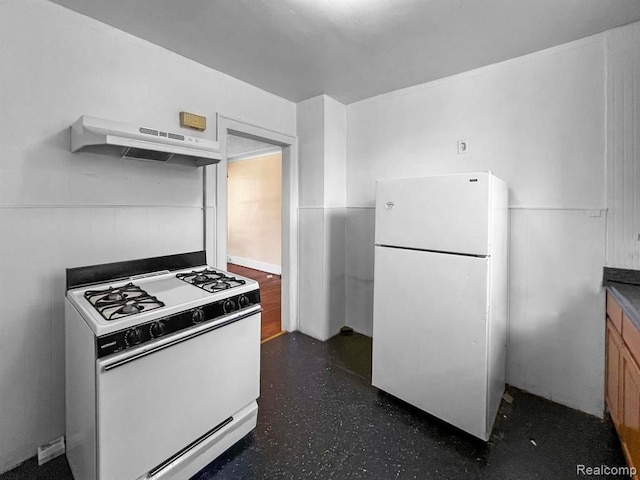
(148, 131)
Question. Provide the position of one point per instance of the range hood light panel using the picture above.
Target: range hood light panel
(140, 154)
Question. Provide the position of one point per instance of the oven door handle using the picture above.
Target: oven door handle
(144, 350)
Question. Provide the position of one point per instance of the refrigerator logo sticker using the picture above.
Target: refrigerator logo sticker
(389, 205)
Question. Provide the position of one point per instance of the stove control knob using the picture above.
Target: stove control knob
(197, 316)
(229, 306)
(157, 329)
(133, 337)
(244, 301)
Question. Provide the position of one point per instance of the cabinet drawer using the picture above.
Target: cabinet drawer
(614, 312)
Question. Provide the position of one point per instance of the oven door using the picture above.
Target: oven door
(155, 400)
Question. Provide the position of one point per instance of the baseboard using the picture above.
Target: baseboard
(282, 332)
(255, 264)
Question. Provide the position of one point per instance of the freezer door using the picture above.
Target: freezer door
(448, 213)
(430, 333)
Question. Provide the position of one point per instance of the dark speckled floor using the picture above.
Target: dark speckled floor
(320, 418)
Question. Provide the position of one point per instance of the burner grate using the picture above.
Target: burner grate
(119, 302)
(211, 280)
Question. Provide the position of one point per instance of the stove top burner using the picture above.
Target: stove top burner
(210, 280)
(199, 278)
(115, 303)
(115, 296)
(131, 307)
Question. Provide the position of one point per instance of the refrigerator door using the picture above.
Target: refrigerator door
(430, 333)
(448, 213)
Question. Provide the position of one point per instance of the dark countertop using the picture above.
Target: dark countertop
(628, 296)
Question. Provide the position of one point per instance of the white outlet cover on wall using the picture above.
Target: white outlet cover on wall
(463, 147)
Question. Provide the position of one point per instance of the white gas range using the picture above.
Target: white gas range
(162, 366)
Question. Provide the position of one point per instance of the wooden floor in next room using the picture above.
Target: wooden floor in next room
(270, 298)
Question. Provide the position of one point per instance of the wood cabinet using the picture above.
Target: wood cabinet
(614, 312)
(623, 380)
(613, 372)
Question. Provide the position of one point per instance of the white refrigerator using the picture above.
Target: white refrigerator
(440, 296)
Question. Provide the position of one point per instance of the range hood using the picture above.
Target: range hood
(97, 135)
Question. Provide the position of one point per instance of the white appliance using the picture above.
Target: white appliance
(440, 296)
(99, 135)
(162, 366)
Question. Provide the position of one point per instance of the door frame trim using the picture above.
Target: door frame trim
(215, 207)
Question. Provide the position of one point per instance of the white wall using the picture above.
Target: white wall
(623, 147)
(335, 197)
(59, 209)
(254, 212)
(322, 159)
(335, 153)
(537, 122)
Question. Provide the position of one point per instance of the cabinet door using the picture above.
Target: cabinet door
(613, 372)
(630, 413)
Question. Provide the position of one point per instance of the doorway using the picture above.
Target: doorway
(216, 215)
(254, 222)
